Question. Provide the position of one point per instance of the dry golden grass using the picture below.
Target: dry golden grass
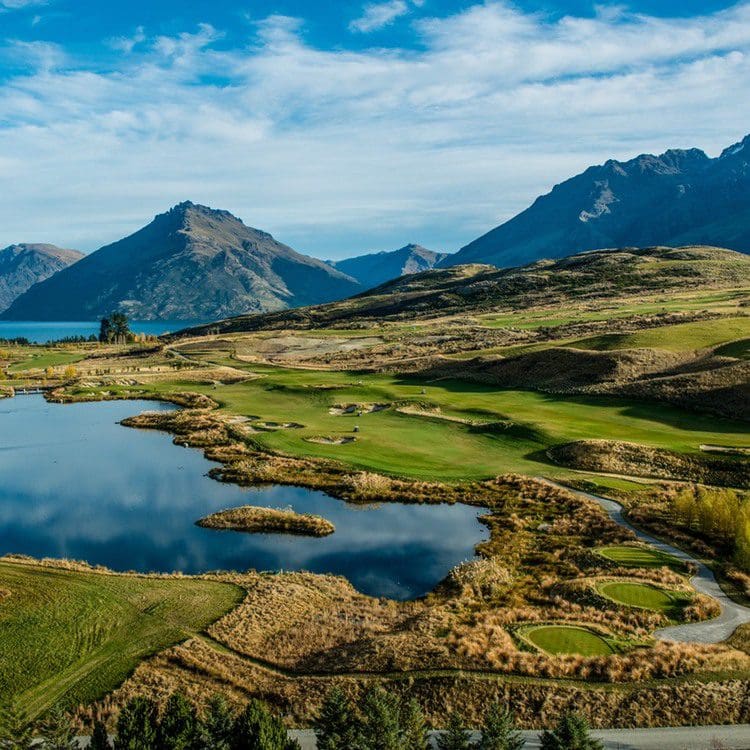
(252, 519)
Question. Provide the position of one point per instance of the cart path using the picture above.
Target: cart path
(711, 631)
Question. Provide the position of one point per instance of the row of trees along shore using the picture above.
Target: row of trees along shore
(380, 721)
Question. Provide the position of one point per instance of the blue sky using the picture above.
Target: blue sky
(346, 127)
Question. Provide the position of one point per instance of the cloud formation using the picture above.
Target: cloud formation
(376, 16)
(341, 151)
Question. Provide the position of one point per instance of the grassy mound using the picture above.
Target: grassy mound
(73, 635)
(250, 518)
(644, 596)
(567, 639)
(640, 557)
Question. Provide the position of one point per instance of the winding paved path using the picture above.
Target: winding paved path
(711, 631)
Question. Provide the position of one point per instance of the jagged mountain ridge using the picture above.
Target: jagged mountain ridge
(191, 262)
(678, 198)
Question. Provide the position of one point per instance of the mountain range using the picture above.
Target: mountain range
(376, 268)
(678, 198)
(192, 262)
(22, 266)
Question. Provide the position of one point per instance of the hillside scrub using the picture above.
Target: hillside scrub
(617, 457)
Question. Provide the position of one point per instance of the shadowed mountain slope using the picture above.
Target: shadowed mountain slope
(22, 266)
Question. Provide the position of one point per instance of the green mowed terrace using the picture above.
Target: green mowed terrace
(641, 557)
(645, 596)
(702, 334)
(567, 639)
(68, 637)
(427, 446)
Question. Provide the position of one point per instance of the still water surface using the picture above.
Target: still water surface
(74, 483)
(43, 332)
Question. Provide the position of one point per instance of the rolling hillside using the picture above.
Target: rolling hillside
(474, 289)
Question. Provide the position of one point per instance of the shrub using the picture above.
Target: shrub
(137, 725)
(178, 729)
(336, 725)
(571, 733)
(455, 736)
(499, 732)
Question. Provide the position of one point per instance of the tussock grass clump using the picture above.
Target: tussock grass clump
(255, 520)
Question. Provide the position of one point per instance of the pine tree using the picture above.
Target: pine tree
(571, 733)
(216, 728)
(336, 725)
(413, 727)
(499, 732)
(57, 731)
(137, 725)
(256, 729)
(99, 738)
(455, 737)
(178, 729)
(380, 726)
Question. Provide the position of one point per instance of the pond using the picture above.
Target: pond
(76, 484)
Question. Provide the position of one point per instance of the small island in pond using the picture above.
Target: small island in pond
(255, 520)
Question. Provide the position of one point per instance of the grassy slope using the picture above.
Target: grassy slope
(434, 448)
(72, 636)
(682, 337)
(39, 359)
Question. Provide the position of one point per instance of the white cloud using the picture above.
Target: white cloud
(127, 44)
(377, 16)
(19, 4)
(342, 151)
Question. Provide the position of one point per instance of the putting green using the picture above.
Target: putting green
(640, 557)
(644, 596)
(567, 639)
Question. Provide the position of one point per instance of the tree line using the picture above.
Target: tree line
(379, 721)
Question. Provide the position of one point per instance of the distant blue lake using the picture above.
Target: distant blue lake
(42, 332)
(74, 483)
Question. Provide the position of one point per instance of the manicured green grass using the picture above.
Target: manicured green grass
(701, 334)
(426, 447)
(46, 358)
(640, 557)
(68, 637)
(567, 639)
(645, 596)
